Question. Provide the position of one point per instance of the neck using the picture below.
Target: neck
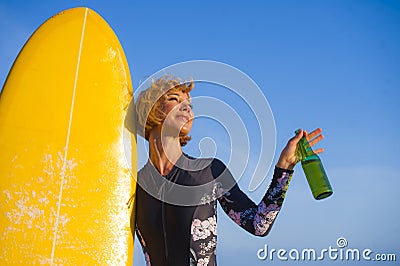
(164, 151)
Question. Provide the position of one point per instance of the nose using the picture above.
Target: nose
(185, 107)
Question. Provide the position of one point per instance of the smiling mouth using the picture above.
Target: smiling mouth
(183, 118)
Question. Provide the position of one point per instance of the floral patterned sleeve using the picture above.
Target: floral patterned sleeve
(256, 219)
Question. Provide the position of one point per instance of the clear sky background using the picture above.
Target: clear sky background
(328, 64)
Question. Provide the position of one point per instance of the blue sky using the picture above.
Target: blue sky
(328, 64)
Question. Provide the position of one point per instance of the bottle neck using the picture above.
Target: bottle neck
(305, 150)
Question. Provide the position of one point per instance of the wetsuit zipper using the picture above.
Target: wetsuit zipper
(164, 223)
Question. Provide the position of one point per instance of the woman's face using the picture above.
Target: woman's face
(177, 106)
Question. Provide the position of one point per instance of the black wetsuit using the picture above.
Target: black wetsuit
(176, 235)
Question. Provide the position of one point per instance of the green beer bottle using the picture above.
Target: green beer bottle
(313, 169)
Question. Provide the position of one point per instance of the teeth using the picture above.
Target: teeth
(183, 118)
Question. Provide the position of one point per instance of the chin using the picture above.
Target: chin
(184, 132)
(173, 127)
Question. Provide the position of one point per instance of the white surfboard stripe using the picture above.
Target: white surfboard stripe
(63, 171)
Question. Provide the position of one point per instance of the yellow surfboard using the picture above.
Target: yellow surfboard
(64, 179)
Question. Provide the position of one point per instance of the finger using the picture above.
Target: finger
(316, 140)
(318, 151)
(297, 137)
(314, 133)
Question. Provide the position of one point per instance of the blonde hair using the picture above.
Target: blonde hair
(148, 104)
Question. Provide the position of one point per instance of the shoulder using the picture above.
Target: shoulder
(196, 164)
(203, 161)
(215, 165)
(145, 170)
(218, 163)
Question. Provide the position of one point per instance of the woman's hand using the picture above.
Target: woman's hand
(288, 158)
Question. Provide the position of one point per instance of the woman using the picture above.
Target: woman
(170, 231)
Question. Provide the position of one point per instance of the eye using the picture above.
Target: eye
(173, 98)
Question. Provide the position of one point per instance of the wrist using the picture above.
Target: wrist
(285, 165)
